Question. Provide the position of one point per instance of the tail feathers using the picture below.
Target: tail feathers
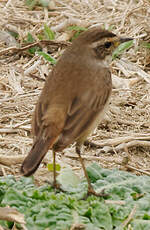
(35, 156)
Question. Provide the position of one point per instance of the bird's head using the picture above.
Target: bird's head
(100, 43)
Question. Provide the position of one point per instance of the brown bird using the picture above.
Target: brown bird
(74, 98)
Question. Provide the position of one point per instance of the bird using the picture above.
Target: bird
(74, 99)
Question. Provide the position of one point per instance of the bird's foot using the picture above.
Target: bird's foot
(100, 194)
(92, 192)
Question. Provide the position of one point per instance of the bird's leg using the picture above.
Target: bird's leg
(55, 184)
(90, 188)
(91, 144)
(78, 151)
(54, 169)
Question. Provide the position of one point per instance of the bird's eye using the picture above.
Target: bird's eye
(107, 44)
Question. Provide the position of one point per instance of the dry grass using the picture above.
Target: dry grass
(21, 78)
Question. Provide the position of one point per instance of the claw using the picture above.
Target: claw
(100, 194)
(92, 192)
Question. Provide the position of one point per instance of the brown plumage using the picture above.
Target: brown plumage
(74, 97)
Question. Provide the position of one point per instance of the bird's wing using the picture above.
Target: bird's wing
(48, 129)
(37, 119)
(81, 114)
(48, 122)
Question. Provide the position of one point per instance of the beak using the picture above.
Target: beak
(120, 47)
(122, 40)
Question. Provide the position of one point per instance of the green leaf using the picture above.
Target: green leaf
(67, 178)
(33, 50)
(49, 34)
(14, 34)
(122, 47)
(31, 3)
(44, 3)
(94, 172)
(76, 28)
(40, 36)
(47, 57)
(141, 224)
(101, 216)
(30, 38)
(45, 209)
(51, 167)
(146, 216)
(146, 44)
